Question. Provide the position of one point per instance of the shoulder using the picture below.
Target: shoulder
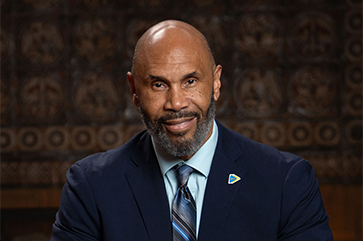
(255, 150)
(112, 161)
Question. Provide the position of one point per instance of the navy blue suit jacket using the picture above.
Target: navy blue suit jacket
(120, 195)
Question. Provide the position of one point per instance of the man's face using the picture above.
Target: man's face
(176, 93)
(180, 147)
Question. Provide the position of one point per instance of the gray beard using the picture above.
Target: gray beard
(180, 148)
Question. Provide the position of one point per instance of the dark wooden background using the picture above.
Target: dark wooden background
(292, 78)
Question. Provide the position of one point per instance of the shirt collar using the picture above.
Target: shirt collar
(200, 161)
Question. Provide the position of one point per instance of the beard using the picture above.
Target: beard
(182, 147)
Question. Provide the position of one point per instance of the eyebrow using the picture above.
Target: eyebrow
(154, 77)
(190, 75)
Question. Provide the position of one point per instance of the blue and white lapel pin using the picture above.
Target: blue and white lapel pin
(233, 178)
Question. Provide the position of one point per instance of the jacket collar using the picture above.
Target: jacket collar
(148, 187)
(149, 192)
(219, 195)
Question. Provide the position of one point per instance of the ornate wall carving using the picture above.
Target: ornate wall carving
(292, 78)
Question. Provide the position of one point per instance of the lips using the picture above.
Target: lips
(179, 125)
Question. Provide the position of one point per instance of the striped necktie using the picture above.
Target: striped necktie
(184, 209)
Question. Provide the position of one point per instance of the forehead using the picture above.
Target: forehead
(173, 50)
(175, 63)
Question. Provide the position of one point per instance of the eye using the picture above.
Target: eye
(158, 85)
(191, 81)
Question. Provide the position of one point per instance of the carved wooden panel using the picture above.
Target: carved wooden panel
(292, 72)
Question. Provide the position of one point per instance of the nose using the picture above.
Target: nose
(176, 99)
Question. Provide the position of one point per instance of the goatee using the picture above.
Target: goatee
(182, 147)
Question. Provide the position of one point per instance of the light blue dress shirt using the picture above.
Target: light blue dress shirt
(201, 161)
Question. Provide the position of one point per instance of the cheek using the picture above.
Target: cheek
(152, 105)
(202, 99)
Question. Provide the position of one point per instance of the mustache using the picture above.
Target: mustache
(178, 115)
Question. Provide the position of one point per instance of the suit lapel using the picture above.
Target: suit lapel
(219, 195)
(148, 187)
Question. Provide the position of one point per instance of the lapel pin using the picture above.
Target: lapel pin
(233, 178)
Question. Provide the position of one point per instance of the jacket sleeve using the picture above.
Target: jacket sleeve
(303, 216)
(77, 217)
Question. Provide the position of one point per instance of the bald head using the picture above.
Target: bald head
(175, 84)
(170, 37)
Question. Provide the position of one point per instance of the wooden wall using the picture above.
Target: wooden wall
(344, 206)
(292, 78)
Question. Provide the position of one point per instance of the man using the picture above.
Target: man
(233, 188)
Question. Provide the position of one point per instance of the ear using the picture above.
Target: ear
(217, 82)
(131, 81)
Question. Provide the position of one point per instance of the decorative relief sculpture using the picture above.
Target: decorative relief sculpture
(110, 137)
(258, 92)
(312, 91)
(83, 138)
(56, 138)
(297, 85)
(313, 36)
(248, 129)
(353, 21)
(259, 36)
(300, 134)
(327, 133)
(354, 103)
(95, 40)
(353, 49)
(353, 76)
(41, 97)
(96, 95)
(273, 133)
(353, 97)
(7, 140)
(41, 43)
(29, 139)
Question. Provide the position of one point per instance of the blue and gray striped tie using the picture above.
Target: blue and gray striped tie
(184, 209)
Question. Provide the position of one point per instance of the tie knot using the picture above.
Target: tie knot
(183, 172)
